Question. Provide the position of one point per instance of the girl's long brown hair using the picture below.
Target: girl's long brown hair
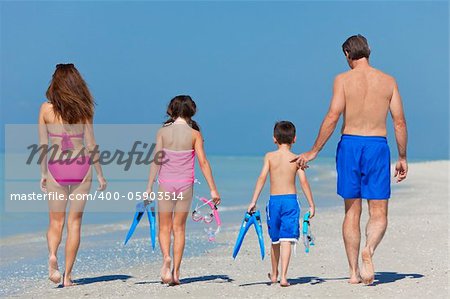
(70, 96)
(182, 106)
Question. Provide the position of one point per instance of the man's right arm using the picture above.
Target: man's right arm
(401, 134)
(329, 123)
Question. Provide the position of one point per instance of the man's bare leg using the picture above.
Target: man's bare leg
(375, 229)
(351, 233)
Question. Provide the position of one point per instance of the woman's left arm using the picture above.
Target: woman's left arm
(91, 145)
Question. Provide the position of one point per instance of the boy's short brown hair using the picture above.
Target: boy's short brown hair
(356, 47)
(284, 132)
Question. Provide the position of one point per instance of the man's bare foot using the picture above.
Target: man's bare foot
(166, 275)
(67, 281)
(284, 282)
(273, 277)
(175, 278)
(367, 270)
(53, 273)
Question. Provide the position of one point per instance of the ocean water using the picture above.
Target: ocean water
(104, 232)
(234, 176)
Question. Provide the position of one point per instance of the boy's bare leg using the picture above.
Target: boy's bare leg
(351, 233)
(285, 258)
(275, 258)
(375, 229)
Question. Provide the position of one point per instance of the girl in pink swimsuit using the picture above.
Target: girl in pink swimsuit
(65, 122)
(180, 141)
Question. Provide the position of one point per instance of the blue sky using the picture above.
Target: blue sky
(247, 64)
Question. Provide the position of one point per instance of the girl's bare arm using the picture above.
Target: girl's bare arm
(205, 167)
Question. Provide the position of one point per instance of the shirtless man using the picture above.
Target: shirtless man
(364, 95)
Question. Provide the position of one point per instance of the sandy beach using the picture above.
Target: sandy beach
(412, 260)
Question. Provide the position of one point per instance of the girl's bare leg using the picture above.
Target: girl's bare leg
(182, 210)
(165, 218)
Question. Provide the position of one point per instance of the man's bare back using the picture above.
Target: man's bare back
(368, 93)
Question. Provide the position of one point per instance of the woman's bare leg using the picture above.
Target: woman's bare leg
(74, 219)
(57, 214)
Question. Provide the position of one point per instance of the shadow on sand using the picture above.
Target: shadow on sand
(380, 278)
(149, 282)
(312, 280)
(104, 278)
(219, 278)
(388, 277)
(206, 278)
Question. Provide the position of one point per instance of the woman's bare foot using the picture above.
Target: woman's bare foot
(367, 270)
(273, 277)
(166, 275)
(175, 278)
(284, 282)
(53, 273)
(354, 278)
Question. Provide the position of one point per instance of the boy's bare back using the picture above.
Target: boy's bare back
(282, 172)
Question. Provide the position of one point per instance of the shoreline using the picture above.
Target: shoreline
(410, 261)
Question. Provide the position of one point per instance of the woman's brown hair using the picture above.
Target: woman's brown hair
(70, 96)
(182, 106)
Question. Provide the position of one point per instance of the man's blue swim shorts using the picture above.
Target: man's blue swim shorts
(363, 167)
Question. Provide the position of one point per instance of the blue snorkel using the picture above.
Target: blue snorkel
(308, 238)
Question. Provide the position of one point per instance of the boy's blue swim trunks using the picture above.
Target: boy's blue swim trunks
(283, 212)
(363, 167)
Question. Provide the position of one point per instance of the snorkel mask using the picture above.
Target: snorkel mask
(208, 216)
(308, 238)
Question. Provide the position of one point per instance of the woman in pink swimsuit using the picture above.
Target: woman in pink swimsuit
(180, 140)
(65, 121)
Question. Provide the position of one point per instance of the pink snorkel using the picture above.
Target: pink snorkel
(208, 218)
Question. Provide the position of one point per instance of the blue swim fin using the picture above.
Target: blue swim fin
(246, 223)
(259, 232)
(136, 219)
(152, 220)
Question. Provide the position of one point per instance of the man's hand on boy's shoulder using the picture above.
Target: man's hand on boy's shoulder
(303, 159)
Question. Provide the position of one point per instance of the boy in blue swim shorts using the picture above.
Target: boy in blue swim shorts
(283, 210)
